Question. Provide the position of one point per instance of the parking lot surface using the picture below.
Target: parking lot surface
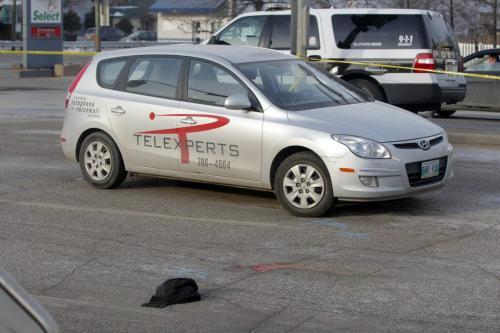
(92, 257)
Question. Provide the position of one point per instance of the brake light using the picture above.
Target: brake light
(424, 62)
(73, 85)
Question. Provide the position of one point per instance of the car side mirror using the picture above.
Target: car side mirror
(237, 102)
(20, 311)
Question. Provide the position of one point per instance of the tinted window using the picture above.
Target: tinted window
(211, 84)
(280, 33)
(154, 77)
(378, 31)
(108, 72)
(245, 31)
(439, 32)
(295, 85)
(484, 63)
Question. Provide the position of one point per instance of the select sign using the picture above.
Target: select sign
(46, 11)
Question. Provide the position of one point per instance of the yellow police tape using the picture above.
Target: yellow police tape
(437, 71)
(361, 63)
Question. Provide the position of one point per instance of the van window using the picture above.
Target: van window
(244, 32)
(440, 34)
(108, 72)
(154, 77)
(378, 31)
(280, 33)
(211, 84)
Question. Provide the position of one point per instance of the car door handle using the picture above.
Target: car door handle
(118, 110)
(314, 57)
(188, 121)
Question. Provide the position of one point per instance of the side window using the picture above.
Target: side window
(484, 63)
(211, 84)
(245, 31)
(281, 30)
(154, 77)
(108, 72)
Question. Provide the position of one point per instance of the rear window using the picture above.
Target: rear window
(378, 31)
(440, 34)
(108, 72)
(280, 33)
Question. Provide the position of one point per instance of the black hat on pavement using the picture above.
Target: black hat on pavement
(174, 291)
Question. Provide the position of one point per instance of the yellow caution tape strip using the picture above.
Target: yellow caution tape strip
(361, 63)
(371, 64)
(75, 53)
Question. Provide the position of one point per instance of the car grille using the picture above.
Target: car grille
(414, 145)
(414, 171)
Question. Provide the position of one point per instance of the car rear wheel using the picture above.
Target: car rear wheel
(101, 162)
(302, 185)
(369, 88)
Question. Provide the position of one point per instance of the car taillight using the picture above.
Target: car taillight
(73, 85)
(424, 61)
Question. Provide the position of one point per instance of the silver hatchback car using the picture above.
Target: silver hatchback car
(246, 117)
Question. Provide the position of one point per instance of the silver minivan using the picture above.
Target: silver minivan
(246, 117)
(410, 38)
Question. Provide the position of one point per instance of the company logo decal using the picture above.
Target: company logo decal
(85, 105)
(192, 127)
(424, 144)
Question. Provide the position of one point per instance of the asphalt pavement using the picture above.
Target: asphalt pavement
(92, 257)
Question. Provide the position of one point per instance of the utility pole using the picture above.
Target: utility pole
(13, 19)
(300, 28)
(97, 5)
(452, 16)
(495, 22)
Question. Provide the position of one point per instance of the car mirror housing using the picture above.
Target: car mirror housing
(237, 102)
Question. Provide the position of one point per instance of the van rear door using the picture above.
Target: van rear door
(442, 42)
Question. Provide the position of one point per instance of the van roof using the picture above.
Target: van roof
(330, 11)
(232, 54)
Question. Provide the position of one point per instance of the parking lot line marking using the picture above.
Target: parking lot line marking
(113, 211)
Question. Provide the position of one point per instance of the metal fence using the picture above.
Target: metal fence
(469, 48)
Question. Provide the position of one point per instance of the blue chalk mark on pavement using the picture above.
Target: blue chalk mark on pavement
(360, 235)
(329, 223)
(342, 226)
(190, 272)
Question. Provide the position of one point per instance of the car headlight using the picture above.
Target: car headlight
(363, 147)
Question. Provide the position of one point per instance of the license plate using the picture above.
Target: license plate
(430, 169)
(451, 65)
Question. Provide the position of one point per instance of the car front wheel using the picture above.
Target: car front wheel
(100, 161)
(302, 185)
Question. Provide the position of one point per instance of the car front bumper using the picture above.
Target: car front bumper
(393, 175)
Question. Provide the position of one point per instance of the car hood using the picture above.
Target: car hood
(374, 120)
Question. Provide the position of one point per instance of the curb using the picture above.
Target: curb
(459, 137)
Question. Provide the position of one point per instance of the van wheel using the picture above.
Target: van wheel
(101, 162)
(302, 185)
(369, 88)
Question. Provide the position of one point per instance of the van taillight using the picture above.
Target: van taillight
(424, 61)
(461, 64)
(73, 85)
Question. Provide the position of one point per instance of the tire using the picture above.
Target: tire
(443, 113)
(287, 185)
(369, 88)
(101, 162)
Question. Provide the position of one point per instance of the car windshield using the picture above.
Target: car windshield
(296, 85)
